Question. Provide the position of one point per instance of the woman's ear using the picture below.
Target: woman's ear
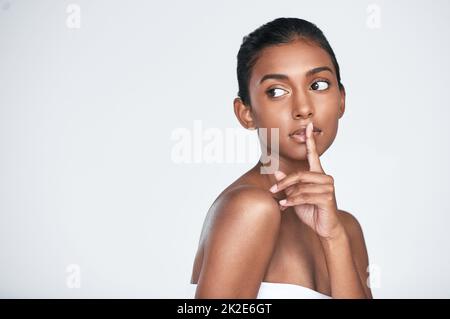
(342, 101)
(244, 114)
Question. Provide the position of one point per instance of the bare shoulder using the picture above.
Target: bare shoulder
(246, 201)
(241, 235)
(351, 223)
(245, 207)
(358, 246)
(355, 233)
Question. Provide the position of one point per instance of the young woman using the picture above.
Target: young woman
(282, 234)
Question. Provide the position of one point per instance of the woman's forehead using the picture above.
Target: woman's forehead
(293, 59)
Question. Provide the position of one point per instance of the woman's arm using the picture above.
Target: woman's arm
(347, 260)
(312, 194)
(239, 244)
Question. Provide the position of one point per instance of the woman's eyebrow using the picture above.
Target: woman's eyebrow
(279, 76)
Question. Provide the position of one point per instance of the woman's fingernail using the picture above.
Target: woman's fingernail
(273, 189)
(283, 202)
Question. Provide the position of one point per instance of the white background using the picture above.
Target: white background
(86, 118)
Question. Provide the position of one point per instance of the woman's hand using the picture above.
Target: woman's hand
(311, 193)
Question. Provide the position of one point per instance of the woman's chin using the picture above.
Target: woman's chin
(299, 155)
(299, 152)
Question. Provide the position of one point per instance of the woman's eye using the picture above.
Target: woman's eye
(276, 92)
(320, 85)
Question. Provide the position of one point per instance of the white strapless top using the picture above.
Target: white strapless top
(272, 290)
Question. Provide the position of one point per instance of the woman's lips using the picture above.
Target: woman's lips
(300, 135)
(303, 130)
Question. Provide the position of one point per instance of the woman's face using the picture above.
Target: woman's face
(291, 85)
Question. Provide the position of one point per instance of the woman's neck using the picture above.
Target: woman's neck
(263, 172)
(268, 165)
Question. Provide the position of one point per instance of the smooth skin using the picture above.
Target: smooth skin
(285, 227)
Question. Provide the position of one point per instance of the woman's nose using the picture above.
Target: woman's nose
(302, 108)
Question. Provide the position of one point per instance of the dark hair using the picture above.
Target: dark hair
(278, 31)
